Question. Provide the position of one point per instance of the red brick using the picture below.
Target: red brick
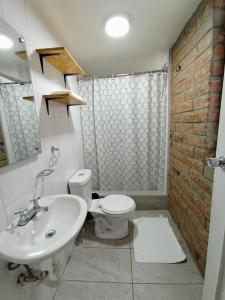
(201, 102)
(201, 181)
(217, 68)
(196, 216)
(188, 161)
(215, 100)
(218, 52)
(200, 128)
(190, 117)
(213, 114)
(199, 154)
(196, 140)
(202, 88)
(203, 73)
(184, 106)
(195, 105)
(186, 149)
(189, 93)
(212, 128)
(215, 85)
(184, 127)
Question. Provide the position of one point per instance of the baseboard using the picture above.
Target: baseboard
(150, 202)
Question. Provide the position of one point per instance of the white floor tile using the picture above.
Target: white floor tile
(71, 290)
(167, 292)
(98, 264)
(186, 272)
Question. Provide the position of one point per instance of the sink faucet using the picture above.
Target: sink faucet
(36, 207)
(26, 215)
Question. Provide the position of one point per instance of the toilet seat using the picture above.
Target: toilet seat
(117, 204)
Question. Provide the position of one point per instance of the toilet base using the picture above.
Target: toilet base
(111, 227)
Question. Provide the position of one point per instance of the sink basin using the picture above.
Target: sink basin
(47, 233)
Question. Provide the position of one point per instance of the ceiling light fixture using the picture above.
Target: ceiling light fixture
(5, 42)
(117, 26)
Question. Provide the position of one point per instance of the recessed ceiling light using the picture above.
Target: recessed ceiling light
(117, 26)
(5, 42)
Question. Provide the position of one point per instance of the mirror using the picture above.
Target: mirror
(19, 133)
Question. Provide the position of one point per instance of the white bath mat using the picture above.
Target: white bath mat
(155, 241)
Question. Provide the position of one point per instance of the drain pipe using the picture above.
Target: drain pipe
(31, 275)
(57, 271)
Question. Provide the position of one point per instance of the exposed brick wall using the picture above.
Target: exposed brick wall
(195, 104)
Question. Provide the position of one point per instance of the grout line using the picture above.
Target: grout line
(94, 281)
(114, 248)
(132, 283)
(129, 283)
(177, 284)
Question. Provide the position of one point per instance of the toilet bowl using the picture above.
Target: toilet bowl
(111, 213)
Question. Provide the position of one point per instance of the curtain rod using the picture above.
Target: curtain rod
(123, 75)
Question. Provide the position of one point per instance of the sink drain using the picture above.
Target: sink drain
(50, 233)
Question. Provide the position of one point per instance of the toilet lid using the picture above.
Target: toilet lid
(117, 204)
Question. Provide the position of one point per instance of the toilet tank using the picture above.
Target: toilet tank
(80, 185)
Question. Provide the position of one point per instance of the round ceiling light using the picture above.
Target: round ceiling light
(117, 26)
(5, 42)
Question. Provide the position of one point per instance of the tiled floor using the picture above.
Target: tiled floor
(106, 270)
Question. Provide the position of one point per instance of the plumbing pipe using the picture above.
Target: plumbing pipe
(12, 267)
(57, 271)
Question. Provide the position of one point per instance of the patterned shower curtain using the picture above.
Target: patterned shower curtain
(21, 120)
(124, 131)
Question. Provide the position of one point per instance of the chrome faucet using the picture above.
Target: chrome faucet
(36, 207)
(27, 215)
(23, 217)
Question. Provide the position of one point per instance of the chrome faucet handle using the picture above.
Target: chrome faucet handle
(22, 216)
(35, 202)
(21, 212)
(37, 205)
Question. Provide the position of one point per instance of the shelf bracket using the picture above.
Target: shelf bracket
(68, 106)
(47, 104)
(66, 75)
(41, 56)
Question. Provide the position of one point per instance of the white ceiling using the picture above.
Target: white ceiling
(79, 24)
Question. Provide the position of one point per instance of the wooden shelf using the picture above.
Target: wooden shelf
(22, 54)
(61, 59)
(28, 98)
(64, 97)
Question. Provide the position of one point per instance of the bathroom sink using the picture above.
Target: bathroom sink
(47, 233)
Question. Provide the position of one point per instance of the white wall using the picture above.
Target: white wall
(17, 181)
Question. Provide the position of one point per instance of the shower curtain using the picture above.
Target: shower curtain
(21, 121)
(124, 131)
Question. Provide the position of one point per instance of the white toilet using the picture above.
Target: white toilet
(111, 213)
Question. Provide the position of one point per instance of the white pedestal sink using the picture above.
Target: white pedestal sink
(47, 233)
